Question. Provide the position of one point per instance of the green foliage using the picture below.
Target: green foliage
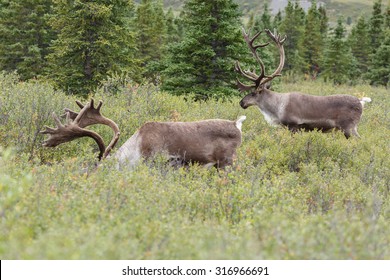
(376, 25)
(292, 25)
(151, 36)
(202, 63)
(24, 110)
(324, 21)
(360, 43)
(387, 17)
(379, 73)
(78, 44)
(339, 64)
(174, 26)
(25, 36)
(94, 41)
(261, 22)
(301, 196)
(313, 41)
(277, 20)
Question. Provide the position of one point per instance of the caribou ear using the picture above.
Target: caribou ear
(268, 85)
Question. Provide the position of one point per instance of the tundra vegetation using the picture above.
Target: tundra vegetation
(307, 195)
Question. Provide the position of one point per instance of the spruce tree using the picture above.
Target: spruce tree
(251, 20)
(277, 20)
(25, 36)
(376, 26)
(339, 64)
(260, 20)
(313, 41)
(94, 41)
(203, 62)
(151, 36)
(173, 27)
(292, 25)
(264, 20)
(379, 72)
(360, 43)
(387, 16)
(324, 21)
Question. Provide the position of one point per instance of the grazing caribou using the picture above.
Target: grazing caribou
(208, 142)
(297, 110)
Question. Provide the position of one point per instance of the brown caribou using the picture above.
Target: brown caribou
(208, 142)
(297, 110)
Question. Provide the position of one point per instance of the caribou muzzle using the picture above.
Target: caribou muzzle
(243, 104)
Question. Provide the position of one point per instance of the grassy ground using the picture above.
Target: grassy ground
(302, 196)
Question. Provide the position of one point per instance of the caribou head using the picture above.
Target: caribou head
(208, 142)
(296, 110)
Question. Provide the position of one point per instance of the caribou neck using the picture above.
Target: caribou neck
(271, 105)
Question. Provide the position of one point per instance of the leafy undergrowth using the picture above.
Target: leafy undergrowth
(301, 196)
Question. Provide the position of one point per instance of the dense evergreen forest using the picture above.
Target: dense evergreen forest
(79, 44)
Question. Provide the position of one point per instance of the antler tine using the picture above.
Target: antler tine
(243, 87)
(80, 104)
(247, 74)
(57, 120)
(112, 144)
(89, 115)
(84, 111)
(75, 127)
(49, 130)
(68, 132)
(276, 37)
(254, 38)
(99, 105)
(72, 114)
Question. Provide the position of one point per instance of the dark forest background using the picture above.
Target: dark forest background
(189, 47)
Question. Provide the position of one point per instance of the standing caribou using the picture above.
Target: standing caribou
(297, 110)
(208, 142)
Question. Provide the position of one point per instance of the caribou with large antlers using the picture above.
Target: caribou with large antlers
(209, 142)
(296, 110)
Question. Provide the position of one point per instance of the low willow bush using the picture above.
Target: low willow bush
(287, 196)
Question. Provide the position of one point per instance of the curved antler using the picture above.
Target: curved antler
(248, 74)
(94, 116)
(75, 127)
(262, 78)
(279, 40)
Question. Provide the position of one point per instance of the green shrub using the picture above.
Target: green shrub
(287, 196)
